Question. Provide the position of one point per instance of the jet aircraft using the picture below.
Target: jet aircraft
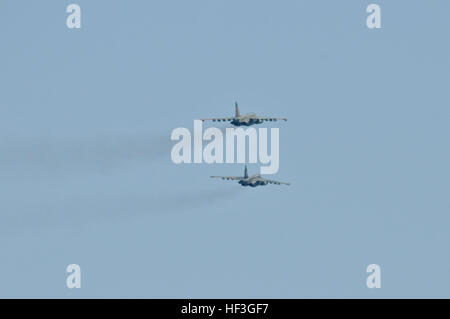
(252, 181)
(244, 119)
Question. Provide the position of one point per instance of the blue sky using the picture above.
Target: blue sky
(85, 169)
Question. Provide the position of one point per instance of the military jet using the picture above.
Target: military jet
(252, 181)
(244, 119)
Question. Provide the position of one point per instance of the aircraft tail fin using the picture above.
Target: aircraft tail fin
(237, 109)
(245, 172)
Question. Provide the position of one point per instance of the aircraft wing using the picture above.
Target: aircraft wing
(276, 182)
(272, 119)
(233, 178)
(218, 119)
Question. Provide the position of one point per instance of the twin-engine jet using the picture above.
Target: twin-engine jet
(252, 181)
(245, 119)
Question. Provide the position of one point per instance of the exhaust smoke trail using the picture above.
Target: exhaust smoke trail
(49, 157)
(79, 212)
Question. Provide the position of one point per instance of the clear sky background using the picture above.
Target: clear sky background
(85, 169)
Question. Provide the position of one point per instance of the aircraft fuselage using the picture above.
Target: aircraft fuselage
(246, 120)
(253, 181)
